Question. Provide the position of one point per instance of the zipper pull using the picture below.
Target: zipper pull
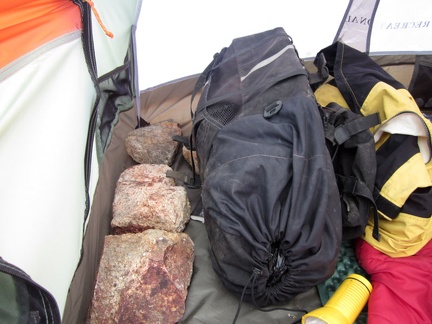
(98, 18)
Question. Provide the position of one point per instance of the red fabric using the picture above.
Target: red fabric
(402, 287)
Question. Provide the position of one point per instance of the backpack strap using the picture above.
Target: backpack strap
(183, 140)
(202, 79)
(345, 131)
(190, 182)
(320, 77)
(356, 187)
(340, 134)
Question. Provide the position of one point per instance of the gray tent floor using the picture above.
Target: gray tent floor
(208, 301)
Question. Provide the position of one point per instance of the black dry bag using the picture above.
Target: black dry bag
(270, 199)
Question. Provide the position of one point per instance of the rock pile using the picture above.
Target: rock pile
(146, 265)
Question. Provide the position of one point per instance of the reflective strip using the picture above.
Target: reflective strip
(267, 61)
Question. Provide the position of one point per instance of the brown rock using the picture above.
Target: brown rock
(154, 144)
(187, 155)
(143, 278)
(146, 199)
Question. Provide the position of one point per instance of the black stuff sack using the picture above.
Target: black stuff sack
(269, 194)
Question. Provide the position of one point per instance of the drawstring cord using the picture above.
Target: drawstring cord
(253, 276)
(98, 18)
(255, 273)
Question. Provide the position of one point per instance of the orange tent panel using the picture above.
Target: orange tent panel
(26, 25)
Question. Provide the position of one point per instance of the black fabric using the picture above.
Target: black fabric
(24, 300)
(269, 193)
(421, 83)
(352, 148)
(392, 154)
(387, 207)
(339, 55)
(116, 95)
(419, 203)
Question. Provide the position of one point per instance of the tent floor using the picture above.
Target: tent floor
(208, 301)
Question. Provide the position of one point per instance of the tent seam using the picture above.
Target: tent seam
(16, 65)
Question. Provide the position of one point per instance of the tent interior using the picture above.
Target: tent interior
(65, 113)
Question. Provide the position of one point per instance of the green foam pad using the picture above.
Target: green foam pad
(346, 265)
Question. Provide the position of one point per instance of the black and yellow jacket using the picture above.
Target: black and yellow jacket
(403, 184)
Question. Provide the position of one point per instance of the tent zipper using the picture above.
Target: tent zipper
(89, 54)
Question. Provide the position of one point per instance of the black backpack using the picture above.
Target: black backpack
(352, 149)
(269, 194)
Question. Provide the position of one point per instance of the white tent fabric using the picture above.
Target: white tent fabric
(45, 105)
(41, 174)
(118, 16)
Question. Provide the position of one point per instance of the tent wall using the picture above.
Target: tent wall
(42, 144)
(27, 25)
(61, 93)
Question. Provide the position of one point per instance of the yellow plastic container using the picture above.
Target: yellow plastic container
(345, 305)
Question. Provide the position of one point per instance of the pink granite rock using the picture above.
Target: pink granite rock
(154, 144)
(145, 198)
(143, 278)
(148, 175)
